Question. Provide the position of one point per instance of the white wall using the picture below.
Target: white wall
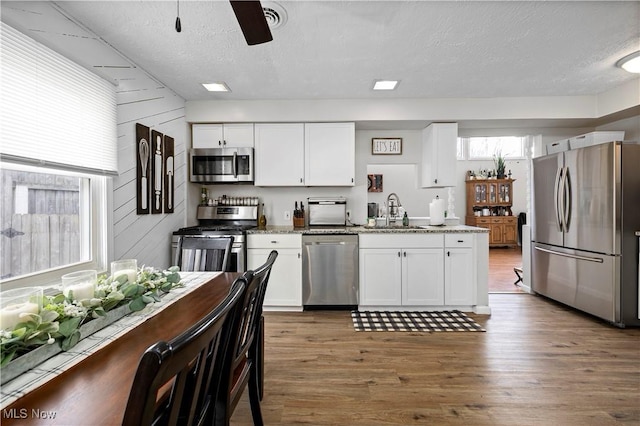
(631, 127)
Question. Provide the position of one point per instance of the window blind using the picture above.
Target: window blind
(54, 112)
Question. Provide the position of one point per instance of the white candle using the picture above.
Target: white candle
(131, 274)
(10, 314)
(80, 291)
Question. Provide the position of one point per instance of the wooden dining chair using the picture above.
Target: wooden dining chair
(175, 382)
(203, 253)
(240, 368)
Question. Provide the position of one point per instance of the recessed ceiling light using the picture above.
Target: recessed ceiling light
(630, 63)
(216, 87)
(385, 84)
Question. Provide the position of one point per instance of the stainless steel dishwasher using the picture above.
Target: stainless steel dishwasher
(329, 271)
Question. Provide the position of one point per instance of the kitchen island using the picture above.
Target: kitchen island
(400, 268)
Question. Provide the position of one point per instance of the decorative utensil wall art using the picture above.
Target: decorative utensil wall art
(156, 197)
(155, 171)
(168, 174)
(142, 169)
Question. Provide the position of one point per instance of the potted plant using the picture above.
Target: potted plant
(499, 162)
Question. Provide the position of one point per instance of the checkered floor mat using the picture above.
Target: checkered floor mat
(413, 321)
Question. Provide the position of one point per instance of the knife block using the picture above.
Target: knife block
(298, 222)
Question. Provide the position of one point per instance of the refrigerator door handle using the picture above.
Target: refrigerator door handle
(572, 256)
(556, 196)
(567, 199)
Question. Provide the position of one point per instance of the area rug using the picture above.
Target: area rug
(413, 321)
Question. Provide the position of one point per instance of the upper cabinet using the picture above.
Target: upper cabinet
(329, 154)
(279, 154)
(439, 143)
(228, 135)
(309, 154)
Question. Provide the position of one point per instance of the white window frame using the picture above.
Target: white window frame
(99, 224)
(464, 142)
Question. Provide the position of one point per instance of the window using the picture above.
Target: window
(52, 223)
(483, 148)
(59, 145)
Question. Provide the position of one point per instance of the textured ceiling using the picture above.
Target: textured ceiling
(336, 49)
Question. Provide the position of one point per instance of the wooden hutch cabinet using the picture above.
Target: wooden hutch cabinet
(489, 204)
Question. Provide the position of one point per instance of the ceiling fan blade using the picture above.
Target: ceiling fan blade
(252, 21)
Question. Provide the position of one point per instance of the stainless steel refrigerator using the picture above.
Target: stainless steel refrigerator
(586, 209)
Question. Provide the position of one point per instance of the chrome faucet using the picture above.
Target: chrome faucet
(392, 208)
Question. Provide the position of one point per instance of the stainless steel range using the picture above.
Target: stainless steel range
(220, 221)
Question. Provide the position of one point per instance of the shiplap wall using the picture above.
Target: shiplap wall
(146, 237)
(140, 99)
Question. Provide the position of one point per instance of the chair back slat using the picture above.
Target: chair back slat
(174, 383)
(203, 253)
(234, 371)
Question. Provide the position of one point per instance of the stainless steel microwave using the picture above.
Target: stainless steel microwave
(221, 165)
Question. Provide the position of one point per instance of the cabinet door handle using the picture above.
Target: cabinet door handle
(435, 181)
(404, 254)
(274, 242)
(300, 180)
(448, 254)
(399, 254)
(299, 256)
(461, 241)
(219, 143)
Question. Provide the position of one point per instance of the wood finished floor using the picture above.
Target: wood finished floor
(502, 260)
(539, 363)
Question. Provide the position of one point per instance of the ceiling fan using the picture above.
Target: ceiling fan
(252, 21)
(250, 16)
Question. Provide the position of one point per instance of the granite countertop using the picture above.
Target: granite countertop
(271, 229)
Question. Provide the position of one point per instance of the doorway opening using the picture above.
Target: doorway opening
(502, 277)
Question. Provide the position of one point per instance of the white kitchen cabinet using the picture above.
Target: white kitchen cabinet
(401, 270)
(279, 154)
(380, 277)
(329, 155)
(284, 290)
(422, 277)
(459, 270)
(311, 154)
(439, 146)
(222, 135)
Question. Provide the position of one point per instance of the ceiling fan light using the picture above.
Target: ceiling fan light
(630, 63)
(385, 84)
(217, 87)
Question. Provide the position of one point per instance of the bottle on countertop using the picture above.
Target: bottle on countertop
(262, 221)
(204, 196)
(405, 219)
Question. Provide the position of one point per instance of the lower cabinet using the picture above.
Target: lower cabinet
(459, 270)
(419, 270)
(401, 270)
(285, 282)
(504, 229)
(380, 277)
(422, 277)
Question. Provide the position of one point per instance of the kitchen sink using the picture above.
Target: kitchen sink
(395, 227)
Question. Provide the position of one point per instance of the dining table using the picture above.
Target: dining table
(95, 390)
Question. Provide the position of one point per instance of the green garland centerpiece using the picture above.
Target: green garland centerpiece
(61, 316)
